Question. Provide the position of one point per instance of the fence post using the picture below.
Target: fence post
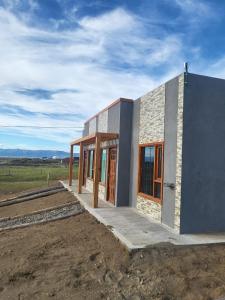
(48, 176)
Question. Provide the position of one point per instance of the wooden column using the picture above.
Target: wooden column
(71, 166)
(96, 170)
(80, 175)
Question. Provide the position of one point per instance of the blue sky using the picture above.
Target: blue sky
(62, 61)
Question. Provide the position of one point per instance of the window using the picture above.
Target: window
(147, 170)
(151, 170)
(91, 163)
(103, 166)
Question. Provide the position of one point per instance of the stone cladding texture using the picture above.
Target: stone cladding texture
(101, 192)
(152, 111)
(89, 185)
(179, 151)
(101, 189)
(149, 207)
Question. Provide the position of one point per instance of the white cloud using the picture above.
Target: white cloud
(115, 20)
(215, 68)
(88, 59)
(191, 6)
(197, 12)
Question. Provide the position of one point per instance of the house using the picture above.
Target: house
(163, 153)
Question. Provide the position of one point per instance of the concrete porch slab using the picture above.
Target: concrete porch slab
(135, 230)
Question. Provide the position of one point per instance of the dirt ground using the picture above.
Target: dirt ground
(79, 258)
(36, 204)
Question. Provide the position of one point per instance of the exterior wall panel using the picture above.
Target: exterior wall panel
(89, 185)
(103, 121)
(170, 152)
(101, 192)
(179, 158)
(152, 111)
(124, 153)
(93, 125)
(114, 119)
(101, 189)
(203, 168)
(134, 154)
(86, 129)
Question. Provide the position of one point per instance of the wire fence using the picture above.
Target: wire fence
(18, 173)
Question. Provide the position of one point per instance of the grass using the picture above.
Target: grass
(15, 187)
(20, 178)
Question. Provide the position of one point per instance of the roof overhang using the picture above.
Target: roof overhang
(103, 136)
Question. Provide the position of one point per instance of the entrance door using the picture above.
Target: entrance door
(85, 168)
(112, 175)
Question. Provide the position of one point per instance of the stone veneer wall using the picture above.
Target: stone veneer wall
(101, 192)
(179, 151)
(103, 121)
(152, 111)
(89, 185)
(101, 189)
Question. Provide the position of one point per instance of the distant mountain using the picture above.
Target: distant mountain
(34, 153)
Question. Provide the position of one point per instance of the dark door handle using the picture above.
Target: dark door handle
(169, 185)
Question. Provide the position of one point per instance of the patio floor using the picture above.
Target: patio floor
(137, 231)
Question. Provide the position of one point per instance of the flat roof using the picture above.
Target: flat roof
(110, 105)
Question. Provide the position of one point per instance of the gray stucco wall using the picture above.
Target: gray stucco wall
(203, 167)
(86, 129)
(124, 153)
(134, 154)
(106, 121)
(114, 118)
(103, 121)
(93, 125)
(170, 150)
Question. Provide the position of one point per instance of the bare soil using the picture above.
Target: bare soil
(36, 204)
(79, 258)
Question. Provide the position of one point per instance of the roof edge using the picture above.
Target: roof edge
(110, 105)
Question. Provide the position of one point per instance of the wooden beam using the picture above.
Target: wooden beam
(71, 166)
(96, 170)
(105, 136)
(80, 175)
(88, 139)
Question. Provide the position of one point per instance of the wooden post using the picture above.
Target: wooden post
(48, 176)
(80, 175)
(71, 166)
(96, 170)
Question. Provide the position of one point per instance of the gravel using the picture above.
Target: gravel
(42, 216)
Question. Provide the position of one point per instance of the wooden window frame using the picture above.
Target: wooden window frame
(156, 179)
(93, 166)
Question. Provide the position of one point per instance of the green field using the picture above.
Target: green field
(19, 178)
